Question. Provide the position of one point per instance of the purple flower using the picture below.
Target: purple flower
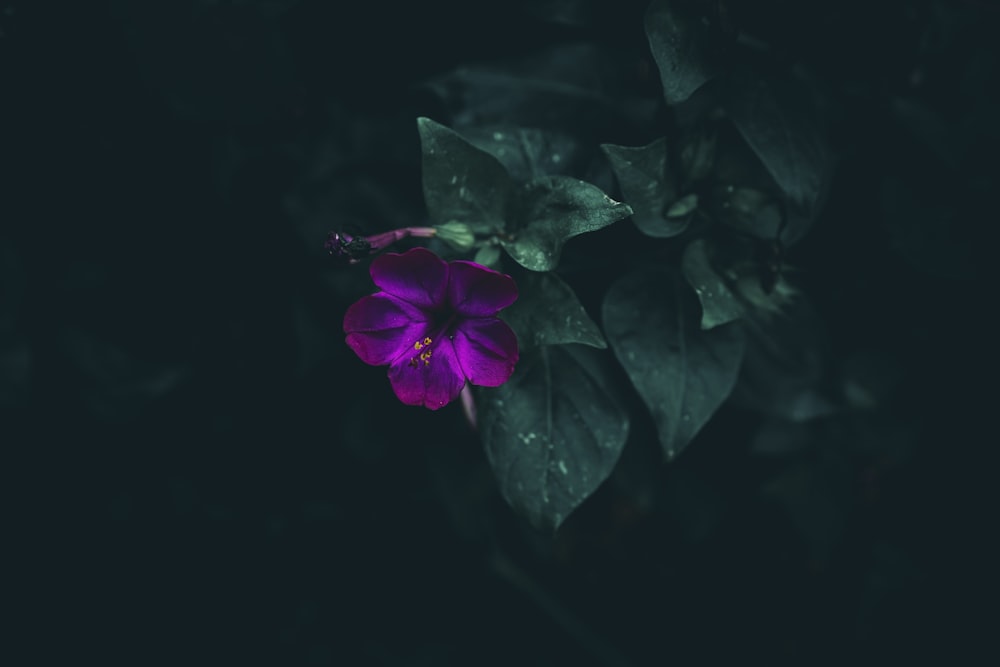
(434, 323)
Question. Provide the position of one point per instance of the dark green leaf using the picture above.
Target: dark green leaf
(718, 303)
(682, 373)
(647, 186)
(552, 210)
(529, 152)
(747, 210)
(461, 182)
(576, 88)
(697, 156)
(547, 312)
(553, 432)
(784, 368)
(681, 43)
(779, 120)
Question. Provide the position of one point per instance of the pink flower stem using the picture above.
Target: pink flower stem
(469, 405)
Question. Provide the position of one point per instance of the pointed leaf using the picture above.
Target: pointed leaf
(547, 312)
(718, 303)
(682, 373)
(461, 182)
(647, 186)
(681, 43)
(780, 122)
(552, 210)
(553, 432)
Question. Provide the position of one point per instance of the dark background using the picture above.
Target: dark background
(200, 472)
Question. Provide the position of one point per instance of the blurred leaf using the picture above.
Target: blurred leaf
(785, 366)
(697, 155)
(461, 182)
(553, 432)
(552, 210)
(647, 186)
(683, 207)
(681, 372)
(488, 255)
(718, 303)
(547, 312)
(780, 122)
(681, 43)
(570, 88)
(746, 210)
(780, 437)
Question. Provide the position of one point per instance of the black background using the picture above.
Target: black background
(199, 471)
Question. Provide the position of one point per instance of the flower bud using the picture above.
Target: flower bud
(456, 234)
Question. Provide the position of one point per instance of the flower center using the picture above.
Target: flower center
(424, 347)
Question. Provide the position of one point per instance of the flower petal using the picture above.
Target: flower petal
(432, 378)
(381, 327)
(417, 276)
(476, 291)
(487, 350)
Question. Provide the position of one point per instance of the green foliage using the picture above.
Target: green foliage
(746, 210)
(552, 433)
(548, 312)
(552, 210)
(647, 184)
(461, 182)
(778, 119)
(682, 372)
(527, 152)
(682, 45)
(739, 174)
(719, 305)
(465, 184)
